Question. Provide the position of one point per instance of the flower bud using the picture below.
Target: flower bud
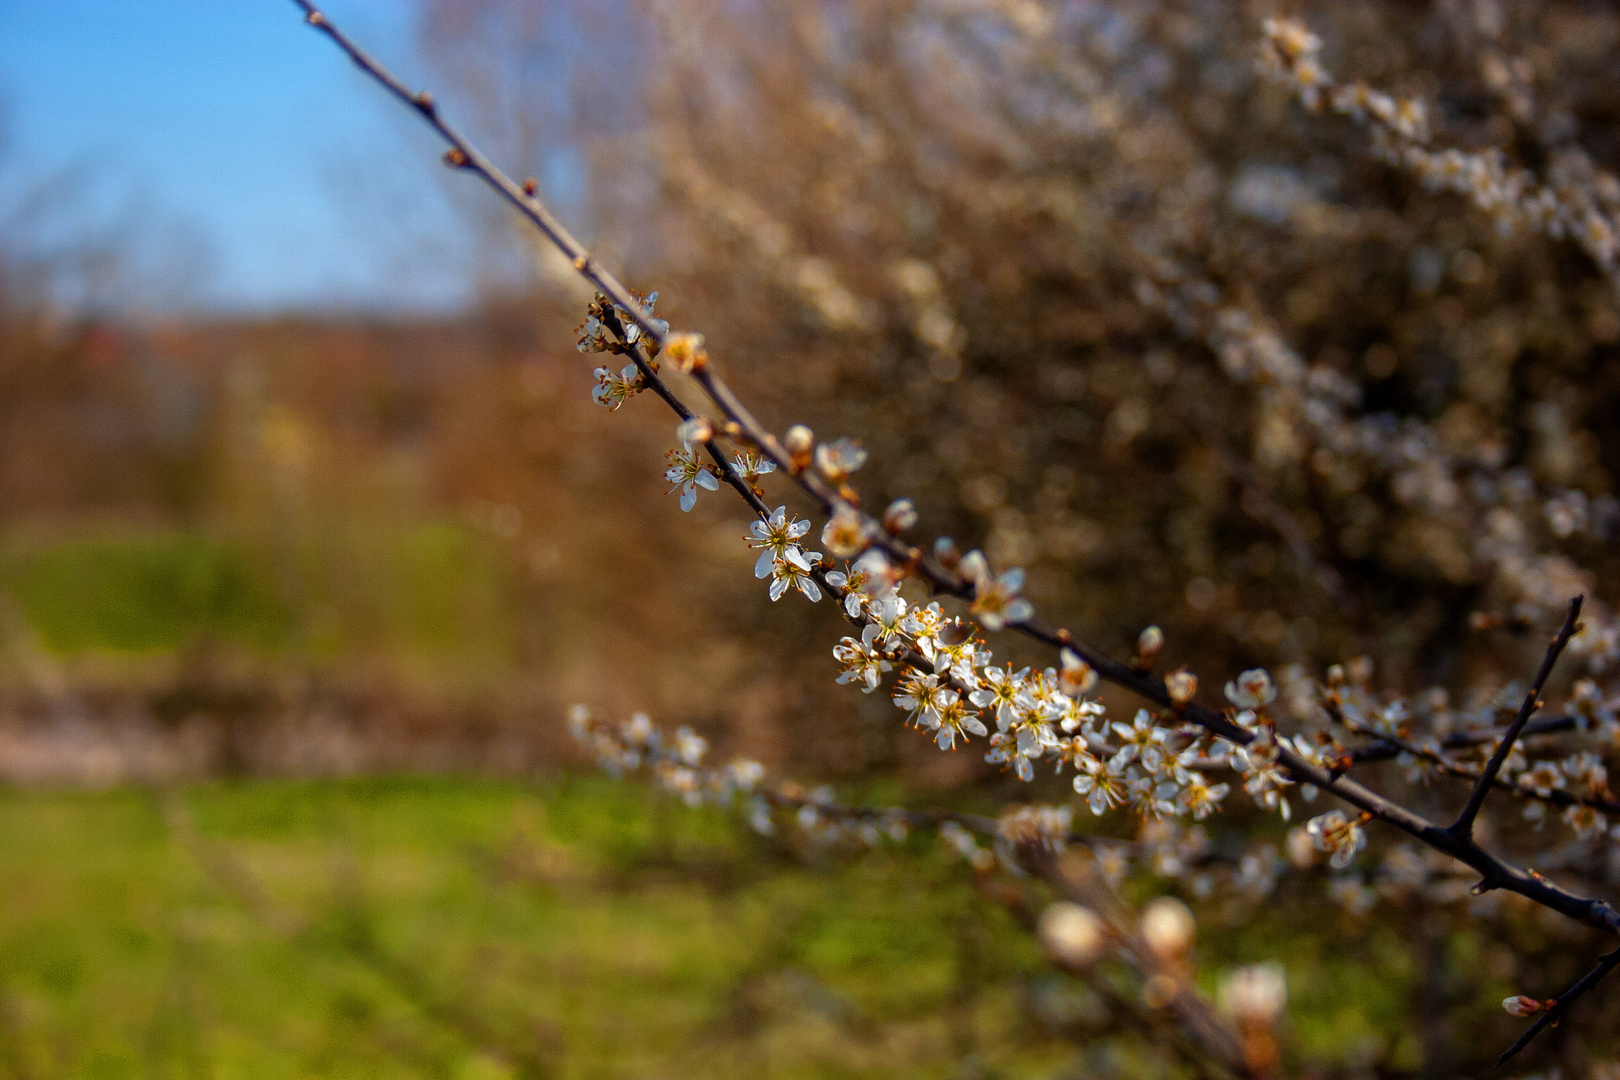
(800, 443)
(1522, 1006)
(946, 551)
(1148, 644)
(1168, 928)
(899, 517)
(1159, 991)
(1254, 994)
(1181, 685)
(1301, 848)
(696, 430)
(1074, 935)
(685, 351)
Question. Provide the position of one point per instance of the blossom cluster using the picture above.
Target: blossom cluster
(1581, 211)
(946, 679)
(677, 762)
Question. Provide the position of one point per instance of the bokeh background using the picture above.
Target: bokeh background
(310, 531)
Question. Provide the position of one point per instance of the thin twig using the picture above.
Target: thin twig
(1606, 964)
(1464, 825)
(1447, 767)
(1384, 748)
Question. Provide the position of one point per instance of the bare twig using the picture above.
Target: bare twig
(1606, 964)
(1384, 748)
(1464, 825)
(1447, 767)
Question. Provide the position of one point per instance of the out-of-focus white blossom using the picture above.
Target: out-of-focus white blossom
(995, 602)
(837, 460)
(845, 534)
(1338, 834)
(1251, 690)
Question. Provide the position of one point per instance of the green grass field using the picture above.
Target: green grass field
(469, 929)
(566, 928)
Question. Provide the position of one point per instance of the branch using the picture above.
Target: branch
(1606, 964)
(1076, 880)
(1385, 748)
(1463, 827)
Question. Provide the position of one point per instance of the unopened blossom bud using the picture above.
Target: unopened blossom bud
(685, 351)
(1168, 928)
(1181, 685)
(799, 442)
(1159, 991)
(1074, 935)
(1254, 994)
(1148, 644)
(1301, 848)
(946, 551)
(696, 430)
(1522, 1006)
(899, 517)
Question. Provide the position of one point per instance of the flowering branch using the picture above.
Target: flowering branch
(1172, 694)
(947, 678)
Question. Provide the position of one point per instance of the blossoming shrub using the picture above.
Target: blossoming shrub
(1286, 339)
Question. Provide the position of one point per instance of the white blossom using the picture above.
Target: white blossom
(687, 474)
(777, 538)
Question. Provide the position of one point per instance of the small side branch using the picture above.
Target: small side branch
(1384, 748)
(1607, 963)
(1463, 827)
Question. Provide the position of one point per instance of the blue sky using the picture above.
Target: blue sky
(234, 119)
